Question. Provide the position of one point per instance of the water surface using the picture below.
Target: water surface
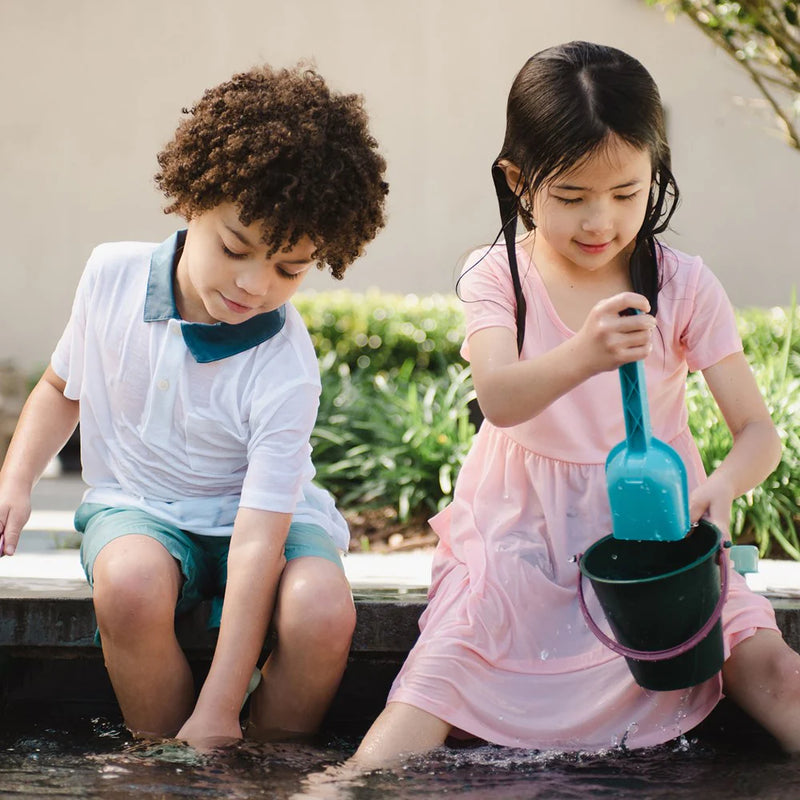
(96, 758)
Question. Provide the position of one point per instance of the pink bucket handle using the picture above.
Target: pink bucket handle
(671, 652)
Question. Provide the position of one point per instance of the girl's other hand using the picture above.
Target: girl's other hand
(611, 338)
(712, 500)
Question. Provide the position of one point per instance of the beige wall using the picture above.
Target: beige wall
(91, 89)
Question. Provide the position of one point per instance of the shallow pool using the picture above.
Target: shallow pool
(95, 758)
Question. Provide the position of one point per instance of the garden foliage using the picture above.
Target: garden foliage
(763, 36)
(394, 423)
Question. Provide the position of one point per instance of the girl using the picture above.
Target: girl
(504, 653)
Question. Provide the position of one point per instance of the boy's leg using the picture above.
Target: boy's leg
(314, 621)
(139, 568)
(400, 730)
(762, 676)
(136, 587)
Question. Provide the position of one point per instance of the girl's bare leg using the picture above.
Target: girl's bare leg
(762, 676)
(136, 586)
(400, 730)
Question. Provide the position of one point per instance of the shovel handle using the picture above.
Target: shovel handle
(634, 406)
(670, 652)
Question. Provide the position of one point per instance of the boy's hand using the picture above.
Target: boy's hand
(15, 509)
(205, 734)
(47, 420)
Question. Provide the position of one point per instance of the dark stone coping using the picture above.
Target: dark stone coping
(49, 661)
(48, 657)
(57, 616)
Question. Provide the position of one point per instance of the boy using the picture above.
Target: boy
(197, 387)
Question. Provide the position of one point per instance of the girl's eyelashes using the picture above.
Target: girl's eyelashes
(569, 201)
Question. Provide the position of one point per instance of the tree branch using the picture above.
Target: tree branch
(733, 36)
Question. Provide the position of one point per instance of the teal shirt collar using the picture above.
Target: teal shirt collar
(206, 342)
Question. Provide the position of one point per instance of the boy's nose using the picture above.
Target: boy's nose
(255, 282)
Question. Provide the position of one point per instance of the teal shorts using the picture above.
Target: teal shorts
(203, 559)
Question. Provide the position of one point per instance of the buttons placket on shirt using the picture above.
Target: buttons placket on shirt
(160, 408)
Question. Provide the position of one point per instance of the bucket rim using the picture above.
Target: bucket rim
(623, 581)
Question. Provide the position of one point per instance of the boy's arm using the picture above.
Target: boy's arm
(255, 563)
(46, 422)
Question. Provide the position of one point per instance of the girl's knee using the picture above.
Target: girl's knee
(784, 667)
(766, 660)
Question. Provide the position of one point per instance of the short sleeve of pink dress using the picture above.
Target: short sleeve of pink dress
(504, 653)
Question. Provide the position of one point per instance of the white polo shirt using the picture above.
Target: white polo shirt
(186, 420)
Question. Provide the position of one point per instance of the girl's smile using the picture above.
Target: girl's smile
(587, 218)
(594, 248)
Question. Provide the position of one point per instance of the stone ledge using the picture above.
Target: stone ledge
(61, 621)
(48, 658)
(58, 617)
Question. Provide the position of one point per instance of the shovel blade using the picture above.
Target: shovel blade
(648, 493)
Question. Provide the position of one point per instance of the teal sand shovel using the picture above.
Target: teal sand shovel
(659, 588)
(662, 592)
(646, 478)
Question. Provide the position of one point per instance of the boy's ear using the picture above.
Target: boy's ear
(513, 176)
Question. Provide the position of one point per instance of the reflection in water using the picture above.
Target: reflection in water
(100, 760)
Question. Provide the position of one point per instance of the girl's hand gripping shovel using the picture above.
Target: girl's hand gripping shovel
(647, 486)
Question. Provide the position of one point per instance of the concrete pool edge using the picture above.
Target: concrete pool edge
(48, 659)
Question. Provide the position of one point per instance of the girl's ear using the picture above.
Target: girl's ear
(513, 176)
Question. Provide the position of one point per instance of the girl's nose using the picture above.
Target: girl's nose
(598, 221)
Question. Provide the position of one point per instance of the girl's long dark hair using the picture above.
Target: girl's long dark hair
(563, 106)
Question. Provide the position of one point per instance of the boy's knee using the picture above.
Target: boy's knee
(320, 613)
(132, 592)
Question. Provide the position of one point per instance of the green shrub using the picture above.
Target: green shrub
(767, 332)
(394, 424)
(768, 516)
(393, 440)
(377, 331)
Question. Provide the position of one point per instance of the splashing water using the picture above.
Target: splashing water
(101, 761)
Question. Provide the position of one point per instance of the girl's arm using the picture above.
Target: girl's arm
(255, 563)
(46, 422)
(511, 391)
(756, 448)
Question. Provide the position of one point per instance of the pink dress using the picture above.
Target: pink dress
(504, 653)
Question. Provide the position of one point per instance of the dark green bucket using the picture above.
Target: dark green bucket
(663, 601)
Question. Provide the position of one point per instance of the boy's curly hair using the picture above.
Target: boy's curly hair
(286, 151)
